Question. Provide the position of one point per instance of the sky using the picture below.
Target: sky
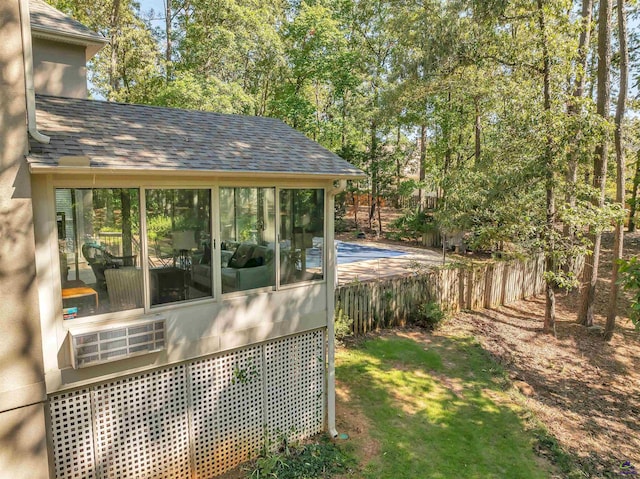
(158, 8)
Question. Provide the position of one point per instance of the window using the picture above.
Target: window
(99, 250)
(301, 235)
(100, 244)
(179, 244)
(247, 241)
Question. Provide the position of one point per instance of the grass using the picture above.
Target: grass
(437, 410)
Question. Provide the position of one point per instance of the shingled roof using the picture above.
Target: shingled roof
(119, 137)
(48, 22)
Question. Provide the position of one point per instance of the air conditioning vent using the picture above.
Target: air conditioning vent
(112, 344)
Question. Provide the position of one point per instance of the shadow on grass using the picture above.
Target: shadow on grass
(439, 412)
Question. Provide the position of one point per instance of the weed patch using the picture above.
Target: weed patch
(315, 460)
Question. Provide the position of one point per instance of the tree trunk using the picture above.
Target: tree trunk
(634, 195)
(127, 234)
(423, 160)
(572, 109)
(550, 303)
(379, 218)
(114, 42)
(620, 169)
(477, 130)
(356, 205)
(590, 276)
(169, 48)
(374, 171)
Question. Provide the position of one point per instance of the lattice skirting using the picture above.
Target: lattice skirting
(195, 420)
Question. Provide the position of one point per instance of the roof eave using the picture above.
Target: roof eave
(40, 169)
(92, 43)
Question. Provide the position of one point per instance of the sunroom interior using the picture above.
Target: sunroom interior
(130, 248)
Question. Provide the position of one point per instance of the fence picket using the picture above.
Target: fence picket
(392, 302)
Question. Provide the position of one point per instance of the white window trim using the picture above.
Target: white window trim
(217, 295)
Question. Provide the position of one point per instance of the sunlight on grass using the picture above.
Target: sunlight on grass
(430, 412)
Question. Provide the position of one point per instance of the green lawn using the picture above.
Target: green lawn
(436, 410)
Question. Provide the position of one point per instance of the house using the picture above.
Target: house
(166, 276)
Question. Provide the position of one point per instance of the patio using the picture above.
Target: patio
(406, 264)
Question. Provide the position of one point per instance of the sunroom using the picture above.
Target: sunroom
(184, 245)
(104, 258)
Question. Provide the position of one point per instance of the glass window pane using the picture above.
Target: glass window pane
(247, 219)
(99, 250)
(301, 235)
(179, 244)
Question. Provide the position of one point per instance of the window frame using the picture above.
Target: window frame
(323, 263)
(217, 296)
(151, 308)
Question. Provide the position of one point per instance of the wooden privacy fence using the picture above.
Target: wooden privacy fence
(392, 302)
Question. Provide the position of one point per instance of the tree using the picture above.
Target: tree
(575, 105)
(128, 67)
(620, 169)
(549, 166)
(634, 194)
(590, 276)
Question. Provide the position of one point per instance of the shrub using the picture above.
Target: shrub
(320, 459)
(414, 224)
(343, 325)
(429, 315)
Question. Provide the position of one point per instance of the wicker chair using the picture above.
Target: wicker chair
(125, 288)
(101, 260)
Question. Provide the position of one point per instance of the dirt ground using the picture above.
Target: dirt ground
(583, 389)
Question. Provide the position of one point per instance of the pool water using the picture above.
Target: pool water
(351, 253)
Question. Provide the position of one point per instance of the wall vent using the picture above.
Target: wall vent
(111, 344)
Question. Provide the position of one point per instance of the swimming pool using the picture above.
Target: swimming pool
(351, 253)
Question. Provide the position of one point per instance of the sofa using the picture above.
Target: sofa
(250, 266)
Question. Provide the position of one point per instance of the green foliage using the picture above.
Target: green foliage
(630, 281)
(429, 315)
(414, 224)
(366, 78)
(244, 375)
(316, 460)
(158, 227)
(127, 68)
(343, 325)
(201, 93)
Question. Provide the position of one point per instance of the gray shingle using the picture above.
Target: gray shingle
(128, 137)
(46, 18)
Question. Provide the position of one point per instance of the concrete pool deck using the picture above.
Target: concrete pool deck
(405, 265)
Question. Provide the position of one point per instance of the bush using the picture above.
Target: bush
(414, 224)
(158, 227)
(318, 460)
(343, 325)
(429, 315)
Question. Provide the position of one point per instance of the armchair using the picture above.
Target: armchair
(99, 259)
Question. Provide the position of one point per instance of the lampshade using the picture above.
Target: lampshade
(184, 240)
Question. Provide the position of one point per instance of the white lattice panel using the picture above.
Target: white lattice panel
(295, 386)
(142, 426)
(196, 420)
(72, 435)
(227, 395)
